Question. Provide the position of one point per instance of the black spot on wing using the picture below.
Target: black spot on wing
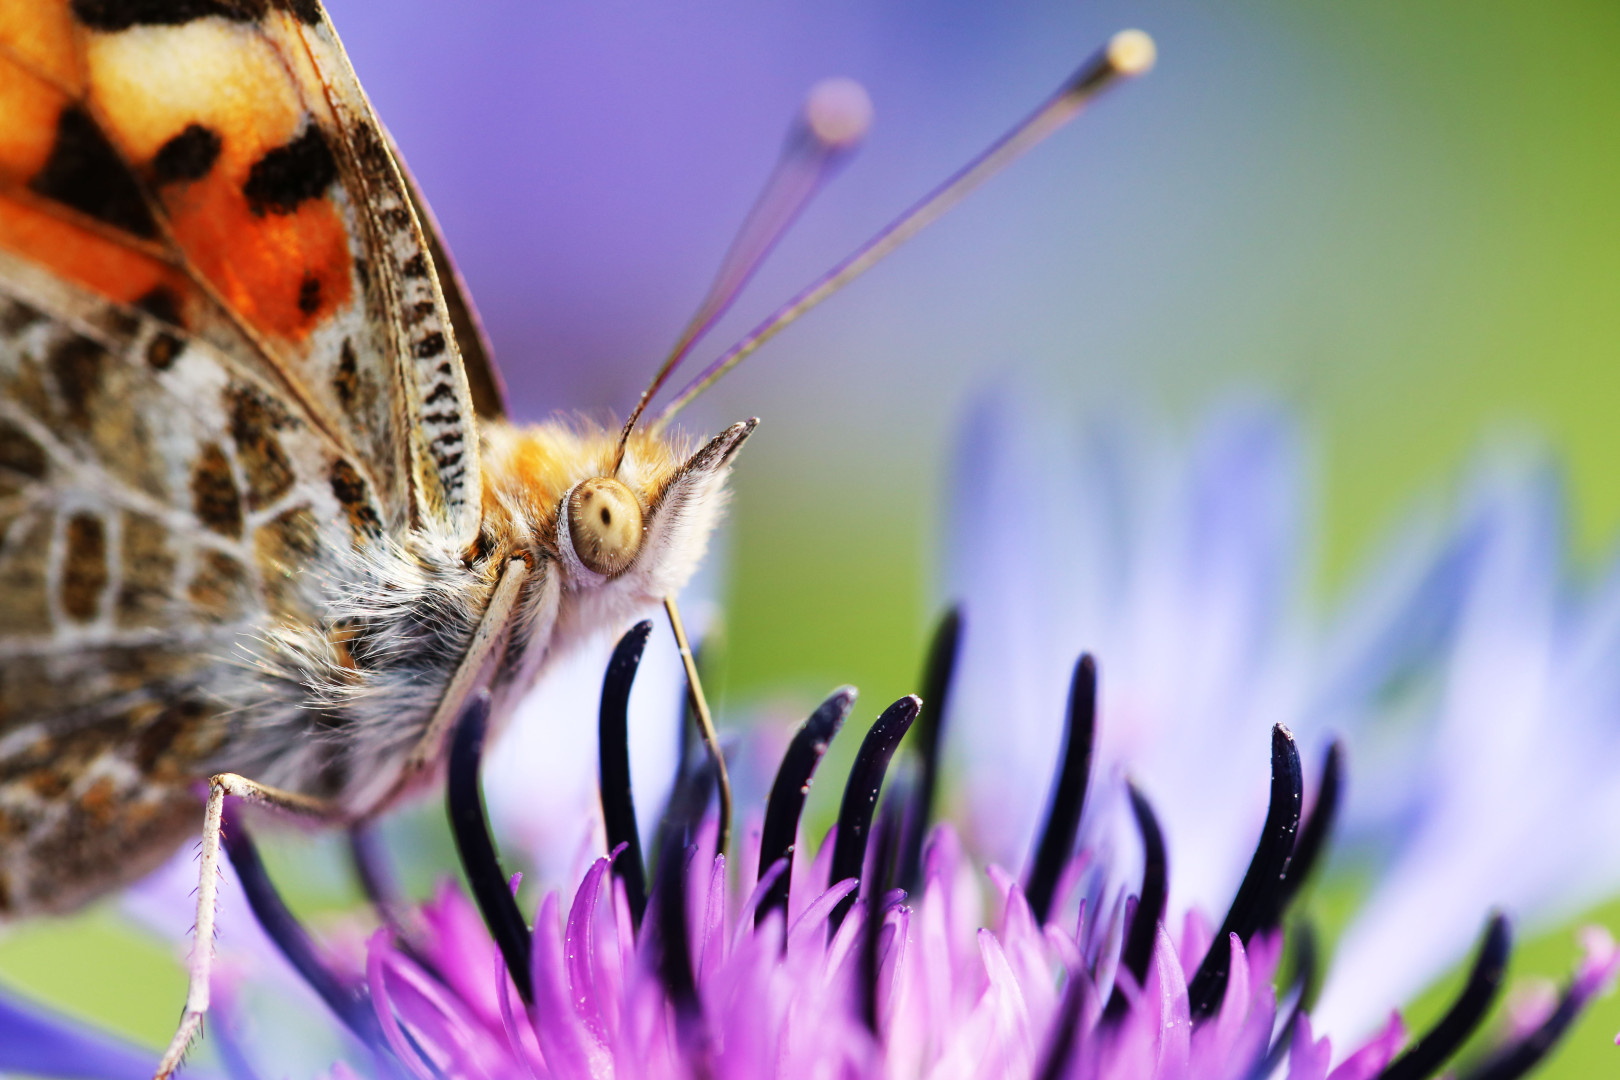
(291, 175)
(16, 316)
(349, 487)
(305, 11)
(163, 304)
(430, 346)
(309, 295)
(86, 173)
(346, 382)
(187, 156)
(114, 15)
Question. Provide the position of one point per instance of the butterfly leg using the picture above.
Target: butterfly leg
(202, 952)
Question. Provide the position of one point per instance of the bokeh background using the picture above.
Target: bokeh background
(1398, 218)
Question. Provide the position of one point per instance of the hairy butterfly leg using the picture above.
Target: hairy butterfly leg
(202, 953)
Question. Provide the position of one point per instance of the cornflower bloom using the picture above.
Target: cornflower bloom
(882, 956)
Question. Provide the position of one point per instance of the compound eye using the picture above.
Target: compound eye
(604, 524)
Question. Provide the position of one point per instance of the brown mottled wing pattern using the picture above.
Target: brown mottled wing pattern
(223, 350)
(157, 501)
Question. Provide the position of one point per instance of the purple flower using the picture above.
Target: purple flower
(883, 955)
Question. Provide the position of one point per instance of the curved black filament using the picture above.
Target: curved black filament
(860, 797)
(926, 742)
(1144, 932)
(350, 1002)
(1314, 834)
(1429, 1054)
(890, 828)
(786, 803)
(1065, 1031)
(375, 874)
(1056, 844)
(687, 804)
(476, 847)
(1518, 1058)
(1256, 896)
(613, 767)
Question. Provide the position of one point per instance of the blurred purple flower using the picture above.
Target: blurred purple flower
(1473, 685)
(1481, 758)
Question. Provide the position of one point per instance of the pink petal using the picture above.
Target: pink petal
(1307, 1058)
(1370, 1060)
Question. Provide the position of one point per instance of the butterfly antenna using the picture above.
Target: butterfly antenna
(1128, 53)
(827, 131)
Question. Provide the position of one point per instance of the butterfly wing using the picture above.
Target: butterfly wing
(224, 351)
(216, 163)
(158, 501)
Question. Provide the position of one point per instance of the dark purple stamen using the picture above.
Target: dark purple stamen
(1313, 834)
(927, 737)
(613, 770)
(674, 947)
(1144, 932)
(470, 827)
(890, 829)
(1065, 1031)
(687, 804)
(375, 875)
(786, 803)
(1426, 1056)
(348, 1000)
(1264, 878)
(1518, 1058)
(860, 797)
(1056, 843)
(688, 801)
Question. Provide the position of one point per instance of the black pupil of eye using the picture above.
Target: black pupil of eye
(607, 518)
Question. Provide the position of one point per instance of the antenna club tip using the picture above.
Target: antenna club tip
(1131, 52)
(838, 112)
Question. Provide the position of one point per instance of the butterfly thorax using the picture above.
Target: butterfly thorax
(332, 704)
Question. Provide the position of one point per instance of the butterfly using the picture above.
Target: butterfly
(265, 524)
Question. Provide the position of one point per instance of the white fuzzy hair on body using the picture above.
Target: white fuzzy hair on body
(333, 708)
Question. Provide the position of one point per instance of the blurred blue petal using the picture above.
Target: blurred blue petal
(39, 1043)
(1178, 571)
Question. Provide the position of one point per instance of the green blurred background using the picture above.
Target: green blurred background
(1400, 218)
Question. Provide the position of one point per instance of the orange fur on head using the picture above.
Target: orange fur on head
(527, 470)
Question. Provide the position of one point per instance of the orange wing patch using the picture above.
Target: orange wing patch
(227, 148)
(181, 156)
(86, 255)
(212, 116)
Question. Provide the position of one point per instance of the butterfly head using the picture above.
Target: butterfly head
(647, 523)
(627, 535)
